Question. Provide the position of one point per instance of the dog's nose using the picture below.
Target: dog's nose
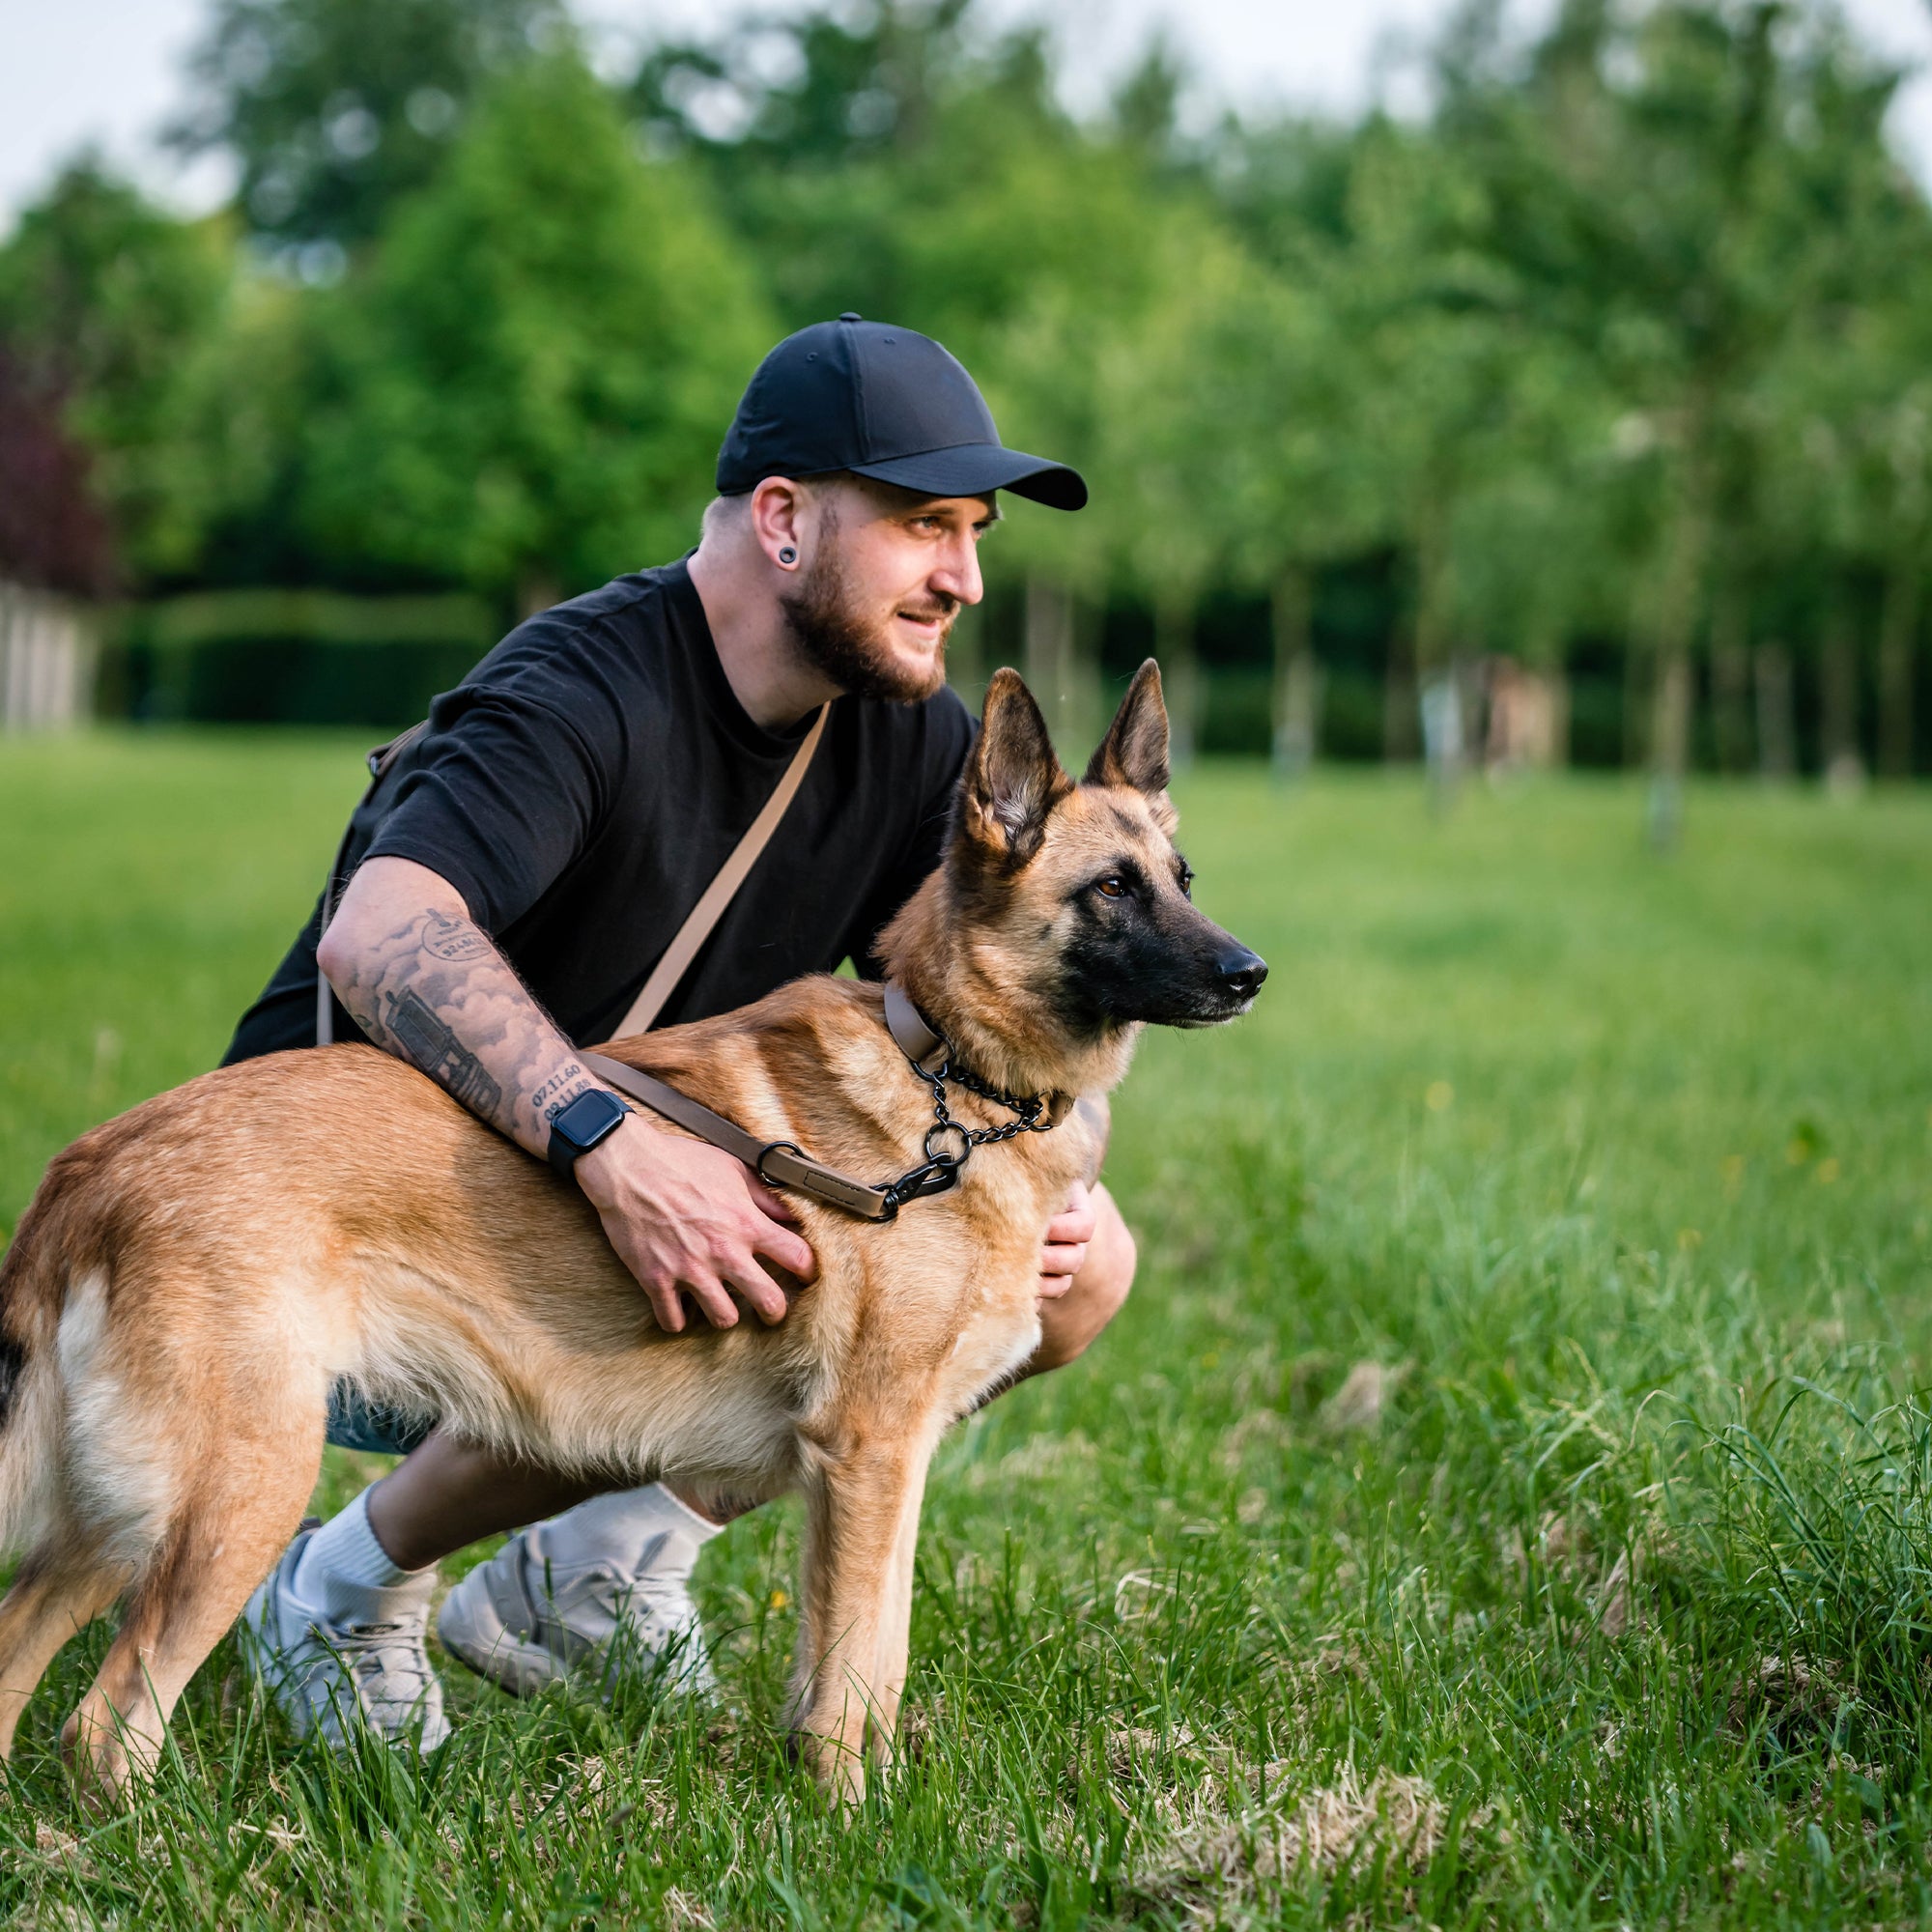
(1242, 972)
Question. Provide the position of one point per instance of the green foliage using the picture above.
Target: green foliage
(530, 383)
(333, 108)
(1509, 1465)
(1618, 350)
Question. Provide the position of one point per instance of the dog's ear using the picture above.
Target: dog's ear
(1012, 778)
(1134, 750)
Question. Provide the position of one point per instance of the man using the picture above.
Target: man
(517, 874)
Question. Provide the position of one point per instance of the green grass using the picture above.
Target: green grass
(1601, 1596)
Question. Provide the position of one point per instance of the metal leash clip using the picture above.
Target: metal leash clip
(939, 1173)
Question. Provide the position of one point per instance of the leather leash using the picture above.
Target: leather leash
(785, 1164)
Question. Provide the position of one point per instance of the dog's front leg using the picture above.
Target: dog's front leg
(862, 1524)
(895, 1625)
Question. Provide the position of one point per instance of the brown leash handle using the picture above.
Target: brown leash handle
(776, 1163)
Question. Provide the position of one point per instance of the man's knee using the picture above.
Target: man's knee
(1071, 1325)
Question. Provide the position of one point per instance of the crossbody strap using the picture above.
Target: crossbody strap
(689, 936)
(719, 894)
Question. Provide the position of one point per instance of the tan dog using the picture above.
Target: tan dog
(191, 1277)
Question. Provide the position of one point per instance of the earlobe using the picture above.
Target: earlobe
(1134, 750)
(1013, 780)
(776, 507)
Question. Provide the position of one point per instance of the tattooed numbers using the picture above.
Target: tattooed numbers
(559, 1091)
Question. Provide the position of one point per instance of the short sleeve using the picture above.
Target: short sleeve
(949, 731)
(502, 800)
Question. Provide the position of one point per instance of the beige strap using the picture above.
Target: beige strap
(689, 936)
(719, 894)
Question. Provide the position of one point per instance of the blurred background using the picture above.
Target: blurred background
(1554, 390)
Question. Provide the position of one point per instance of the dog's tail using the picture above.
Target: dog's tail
(50, 1249)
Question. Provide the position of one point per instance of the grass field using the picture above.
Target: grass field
(1502, 1503)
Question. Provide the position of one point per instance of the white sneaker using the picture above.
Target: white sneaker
(601, 1588)
(369, 1668)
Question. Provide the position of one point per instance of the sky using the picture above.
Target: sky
(108, 71)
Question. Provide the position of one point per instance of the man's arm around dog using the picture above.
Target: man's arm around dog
(425, 981)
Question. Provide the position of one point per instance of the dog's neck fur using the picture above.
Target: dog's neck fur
(958, 976)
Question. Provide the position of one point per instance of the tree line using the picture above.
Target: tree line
(1611, 363)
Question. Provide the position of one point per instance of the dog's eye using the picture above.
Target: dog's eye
(1111, 887)
(1187, 882)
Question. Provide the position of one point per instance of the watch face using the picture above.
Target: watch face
(590, 1117)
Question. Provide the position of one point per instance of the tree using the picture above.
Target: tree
(52, 533)
(1680, 192)
(532, 378)
(336, 108)
(106, 304)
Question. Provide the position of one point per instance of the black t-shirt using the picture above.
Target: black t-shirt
(585, 784)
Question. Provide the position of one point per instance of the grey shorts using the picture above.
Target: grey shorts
(354, 1422)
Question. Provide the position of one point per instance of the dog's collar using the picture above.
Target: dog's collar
(914, 1033)
(930, 1057)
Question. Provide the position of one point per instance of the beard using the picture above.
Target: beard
(851, 645)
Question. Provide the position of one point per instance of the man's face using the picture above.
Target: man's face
(889, 571)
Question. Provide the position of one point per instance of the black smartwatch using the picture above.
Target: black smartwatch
(589, 1119)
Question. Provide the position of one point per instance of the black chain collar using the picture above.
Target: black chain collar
(939, 1172)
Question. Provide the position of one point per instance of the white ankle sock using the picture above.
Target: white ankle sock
(344, 1550)
(627, 1518)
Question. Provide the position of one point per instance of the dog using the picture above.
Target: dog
(191, 1278)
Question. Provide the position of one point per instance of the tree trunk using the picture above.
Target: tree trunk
(1048, 652)
(537, 591)
(1441, 707)
(1401, 740)
(1634, 721)
(1445, 714)
(1672, 696)
(1730, 679)
(1777, 729)
(1298, 692)
(1180, 676)
(966, 669)
(1844, 764)
(1085, 705)
(1898, 632)
(1669, 749)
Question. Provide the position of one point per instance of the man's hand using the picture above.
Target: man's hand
(684, 1215)
(1068, 1234)
(425, 981)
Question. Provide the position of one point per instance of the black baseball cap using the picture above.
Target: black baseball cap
(881, 401)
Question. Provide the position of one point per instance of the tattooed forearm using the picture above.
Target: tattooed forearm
(423, 1039)
(428, 984)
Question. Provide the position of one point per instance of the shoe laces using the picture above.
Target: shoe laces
(392, 1650)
